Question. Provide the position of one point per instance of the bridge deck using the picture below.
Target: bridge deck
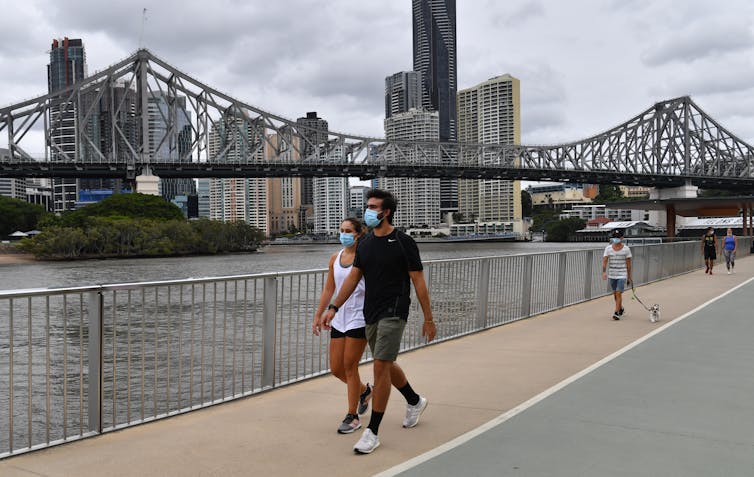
(473, 380)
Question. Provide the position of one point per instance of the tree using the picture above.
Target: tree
(135, 206)
(526, 206)
(18, 215)
(609, 193)
(563, 230)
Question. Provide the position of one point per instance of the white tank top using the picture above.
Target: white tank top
(351, 315)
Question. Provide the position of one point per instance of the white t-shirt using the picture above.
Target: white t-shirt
(351, 314)
(616, 261)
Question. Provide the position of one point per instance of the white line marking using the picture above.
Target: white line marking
(462, 439)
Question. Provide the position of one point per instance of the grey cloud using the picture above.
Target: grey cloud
(521, 15)
(701, 40)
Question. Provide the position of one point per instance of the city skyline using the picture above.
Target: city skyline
(620, 62)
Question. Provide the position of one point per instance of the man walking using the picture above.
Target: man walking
(709, 249)
(389, 262)
(616, 267)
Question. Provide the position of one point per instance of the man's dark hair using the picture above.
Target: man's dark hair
(388, 201)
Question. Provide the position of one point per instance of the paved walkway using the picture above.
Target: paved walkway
(474, 380)
(676, 404)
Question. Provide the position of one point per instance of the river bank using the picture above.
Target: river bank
(15, 258)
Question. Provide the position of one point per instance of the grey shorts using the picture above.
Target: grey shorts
(384, 337)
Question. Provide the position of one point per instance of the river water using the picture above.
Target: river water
(273, 258)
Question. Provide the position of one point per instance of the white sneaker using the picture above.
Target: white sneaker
(368, 442)
(413, 412)
(728, 272)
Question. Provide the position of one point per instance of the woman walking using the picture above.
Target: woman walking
(730, 245)
(347, 333)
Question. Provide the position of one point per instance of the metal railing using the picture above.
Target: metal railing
(76, 362)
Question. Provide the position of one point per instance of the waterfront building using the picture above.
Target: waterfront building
(67, 65)
(635, 192)
(434, 50)
(202, 192)
(357, 200)
(594, 211)
(314, 133)
(11, 187)
(559, 195)
(331, 199)
(418, 198)
(402, 92)
(189, 205)
(238, 198)
(490, 113)
(283, 193)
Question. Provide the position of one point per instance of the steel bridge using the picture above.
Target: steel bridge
(143, 113)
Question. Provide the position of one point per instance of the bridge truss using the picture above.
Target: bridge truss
(142, 113)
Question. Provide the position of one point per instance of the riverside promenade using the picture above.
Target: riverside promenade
(647, 411)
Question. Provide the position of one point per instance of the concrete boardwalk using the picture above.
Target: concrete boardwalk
(678, 404)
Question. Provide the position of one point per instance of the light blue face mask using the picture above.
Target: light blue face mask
(347, 239)
(371, 219)
(615, 240)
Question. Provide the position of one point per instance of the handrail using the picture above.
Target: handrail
(81, 361)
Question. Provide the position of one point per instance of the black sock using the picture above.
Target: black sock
(374, 422)
(411, 397)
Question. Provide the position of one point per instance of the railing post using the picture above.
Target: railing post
(95, 314)
(482, 297)
(526, 287)
(562, 264)
(268, 332)
(588, 275)
(647, 262)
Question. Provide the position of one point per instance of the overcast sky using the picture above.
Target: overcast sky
(584, 65)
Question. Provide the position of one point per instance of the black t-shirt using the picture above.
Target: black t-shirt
(709, 241)
(385, 263)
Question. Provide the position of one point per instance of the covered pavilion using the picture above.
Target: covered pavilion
(696, 207)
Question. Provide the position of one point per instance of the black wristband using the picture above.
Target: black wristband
(333, 307)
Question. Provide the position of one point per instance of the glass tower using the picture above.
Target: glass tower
(434, 27)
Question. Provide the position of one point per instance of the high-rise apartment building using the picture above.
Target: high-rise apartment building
(314, 133)
(203, 186)
(283, 193)
(67, 65)
(434, 45)
(357, 201)
(239, 198)
(490, 113)
(403, 91)
(418, 199)
(331, 199)
(10, 187)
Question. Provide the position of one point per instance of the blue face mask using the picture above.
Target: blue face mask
(347, 239)
(615, 240)
(371, 219)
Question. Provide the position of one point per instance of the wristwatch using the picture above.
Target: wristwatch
(333, 307)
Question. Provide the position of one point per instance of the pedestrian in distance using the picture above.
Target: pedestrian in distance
(347, 334)
(709, 249)
(389, 262)
(616, 268)
(729, 246)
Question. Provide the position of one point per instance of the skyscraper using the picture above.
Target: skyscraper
(283, 193)
(490, 113)
(233, 139)
(67, 65)
(331, 199)
(418, 199)
(403, 91)
(434, 27)
(314, 133)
